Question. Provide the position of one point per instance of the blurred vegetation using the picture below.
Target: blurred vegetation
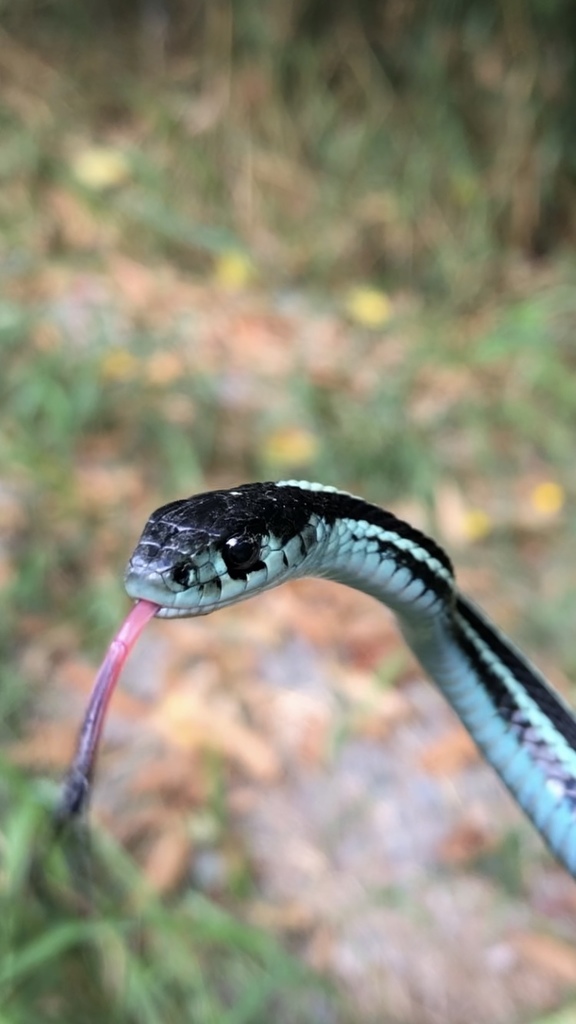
(425, 151)
(127, 957)
(420, 143)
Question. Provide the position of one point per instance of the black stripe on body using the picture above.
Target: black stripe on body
(333, 505)
(505, 704)
(441, 587)
(339, 505)
(560, 716)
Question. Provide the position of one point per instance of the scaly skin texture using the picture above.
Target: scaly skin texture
(217, 548)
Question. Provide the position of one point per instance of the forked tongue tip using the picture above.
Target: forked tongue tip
(76, 786)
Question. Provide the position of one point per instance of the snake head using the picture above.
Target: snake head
(216, 548)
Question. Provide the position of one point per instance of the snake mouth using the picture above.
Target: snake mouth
(153, 588)
(172, 612)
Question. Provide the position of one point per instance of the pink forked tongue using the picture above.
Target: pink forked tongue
(76, 787)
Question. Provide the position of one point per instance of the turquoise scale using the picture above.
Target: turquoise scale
(520, 724)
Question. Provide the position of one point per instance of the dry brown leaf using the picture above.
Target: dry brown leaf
(190, 641)
(302, 724)
(48, 745)
(371, 639)
(450, 509)
(262, 339)
(45, 648)
(374, 711)
(316, 610)
(79, 675)
(136, 283)
(162, 368)
(465, 842)
(547, 953)
(76, 225)
(168, 859)
(449, 754)
(320, 951)
(101, 486)
(187, 722)
(13, 515)
(439, 388)
(7, 571)
(133, 826)
(286, 917)
(377, 720)
(177, 777)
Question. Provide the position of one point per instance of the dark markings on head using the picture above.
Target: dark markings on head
(252, 510)
(257, 509)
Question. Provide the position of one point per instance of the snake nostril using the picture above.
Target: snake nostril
(142, 556)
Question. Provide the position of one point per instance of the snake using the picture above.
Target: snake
(212, 550)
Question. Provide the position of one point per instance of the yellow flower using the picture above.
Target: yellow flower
(476, 524)
(233, 270)
(100, 168)
(547, 498)
(119, 364)
(289, 446)
(368, 306)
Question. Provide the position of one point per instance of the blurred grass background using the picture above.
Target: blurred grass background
(249, 241)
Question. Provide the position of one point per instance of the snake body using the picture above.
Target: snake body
(214, 549)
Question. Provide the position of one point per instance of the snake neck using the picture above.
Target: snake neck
(521, 725)
(215, 549)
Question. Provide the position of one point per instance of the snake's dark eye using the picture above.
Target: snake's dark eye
(241, 555)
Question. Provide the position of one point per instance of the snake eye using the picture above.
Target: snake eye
(241, 555)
